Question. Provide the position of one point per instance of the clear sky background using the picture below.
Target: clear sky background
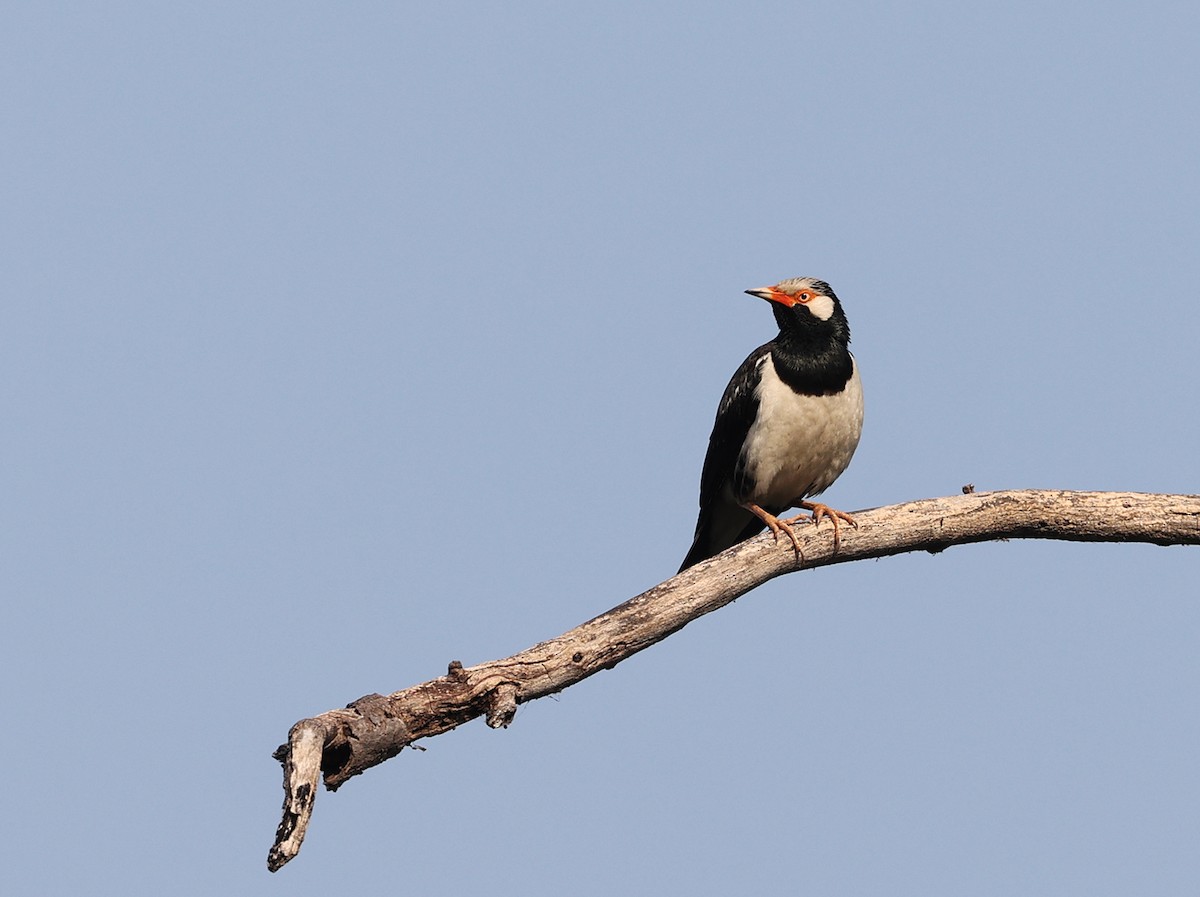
(340, 341)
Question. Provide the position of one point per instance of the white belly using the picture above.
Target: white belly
(801, 443)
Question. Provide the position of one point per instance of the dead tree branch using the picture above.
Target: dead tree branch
(340, 744)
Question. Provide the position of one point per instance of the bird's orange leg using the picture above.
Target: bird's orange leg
(818, 511)
(776, 526)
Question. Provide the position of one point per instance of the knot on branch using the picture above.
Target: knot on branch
(502, 705)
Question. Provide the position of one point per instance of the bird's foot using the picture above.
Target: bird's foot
(778, 526)
(818, 511)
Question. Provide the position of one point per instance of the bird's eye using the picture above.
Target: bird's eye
(804, 297)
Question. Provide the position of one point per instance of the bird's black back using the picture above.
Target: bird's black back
(735, 415)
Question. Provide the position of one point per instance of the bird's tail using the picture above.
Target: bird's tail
(717, 532)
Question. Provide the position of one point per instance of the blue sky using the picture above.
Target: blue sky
(340, 342)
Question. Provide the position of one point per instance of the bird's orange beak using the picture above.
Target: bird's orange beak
(773, 295)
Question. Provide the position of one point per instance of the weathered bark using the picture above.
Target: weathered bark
(341, 744)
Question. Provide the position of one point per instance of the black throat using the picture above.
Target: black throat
(812, 356)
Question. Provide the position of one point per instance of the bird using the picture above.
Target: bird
(786, 427)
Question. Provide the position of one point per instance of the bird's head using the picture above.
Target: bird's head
(806, 294)
(805, 303)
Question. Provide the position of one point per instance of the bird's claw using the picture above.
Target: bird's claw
(818, 511)
(778, 526)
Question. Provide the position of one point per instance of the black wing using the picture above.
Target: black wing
(723, 522)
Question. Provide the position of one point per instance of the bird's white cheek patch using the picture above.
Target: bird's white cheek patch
(821, 307)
